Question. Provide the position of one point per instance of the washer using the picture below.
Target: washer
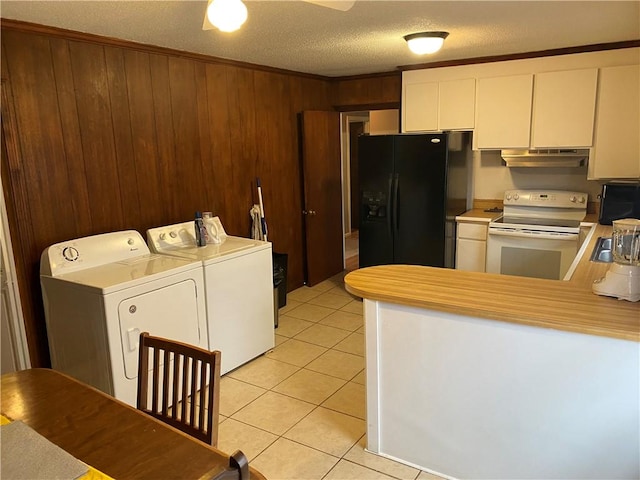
(238, 277)
(100, 292)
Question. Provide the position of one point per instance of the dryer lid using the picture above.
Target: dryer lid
(128, 273)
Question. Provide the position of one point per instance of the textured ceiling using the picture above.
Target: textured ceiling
(304, 37)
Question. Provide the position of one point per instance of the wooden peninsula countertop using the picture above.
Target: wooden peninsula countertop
(562, 305)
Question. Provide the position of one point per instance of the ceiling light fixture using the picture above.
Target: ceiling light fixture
(227, 15)
(426, 42)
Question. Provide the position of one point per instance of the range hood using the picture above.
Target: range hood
(545, 158)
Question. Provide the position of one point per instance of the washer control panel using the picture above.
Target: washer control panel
(169, 237)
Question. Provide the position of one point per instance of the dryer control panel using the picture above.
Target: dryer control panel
(93, 251)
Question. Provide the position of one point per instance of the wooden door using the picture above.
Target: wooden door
(322, 195)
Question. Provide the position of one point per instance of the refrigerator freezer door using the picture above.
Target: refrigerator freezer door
(376, 181)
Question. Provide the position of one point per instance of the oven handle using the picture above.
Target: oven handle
(529, 234)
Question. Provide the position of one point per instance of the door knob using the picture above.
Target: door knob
(309, 212)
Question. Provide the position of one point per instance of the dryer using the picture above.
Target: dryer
(238, 277)
(100, 292)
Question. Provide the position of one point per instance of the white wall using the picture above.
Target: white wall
(492, 178)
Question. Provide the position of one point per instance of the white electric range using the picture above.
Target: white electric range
(538, 233)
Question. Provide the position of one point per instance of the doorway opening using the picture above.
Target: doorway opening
(354, 124)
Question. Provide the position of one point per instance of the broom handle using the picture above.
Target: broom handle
(263, 222)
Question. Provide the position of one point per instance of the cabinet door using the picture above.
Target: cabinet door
(420, 107)
(471, 255)
(616, 152)
(456, 104)
(564, 106)
(503, 112)
(474, 231)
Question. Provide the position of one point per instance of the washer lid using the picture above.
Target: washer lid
(117, 276)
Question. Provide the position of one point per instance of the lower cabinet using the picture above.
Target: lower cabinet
(471, 245)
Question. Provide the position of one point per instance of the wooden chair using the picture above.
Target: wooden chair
(183, 387)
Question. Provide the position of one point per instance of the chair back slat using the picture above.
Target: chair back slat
(182, 388)
(185, 387)
(174, 395)
(165, 383)
(156, 383)
(202, 392)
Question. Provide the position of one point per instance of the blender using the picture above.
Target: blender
(622, 280)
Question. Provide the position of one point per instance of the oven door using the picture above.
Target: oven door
(530, 254)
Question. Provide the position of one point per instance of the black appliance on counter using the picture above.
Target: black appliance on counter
(619, 200)
(411, 189)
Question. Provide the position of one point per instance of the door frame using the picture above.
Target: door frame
(12, 312)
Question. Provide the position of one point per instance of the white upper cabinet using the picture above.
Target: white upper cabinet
(437, 106)
(545, 110)
(564, 105)
(420, 107)
(456, 104)
(503, 118)
(616, 152)
(583, 100)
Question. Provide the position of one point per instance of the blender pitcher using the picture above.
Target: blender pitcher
(626, 241)
(622, 280)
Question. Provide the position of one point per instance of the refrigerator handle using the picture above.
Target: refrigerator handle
(396, 181)
(389, 205)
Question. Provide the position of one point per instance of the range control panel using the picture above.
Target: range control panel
(546, 198)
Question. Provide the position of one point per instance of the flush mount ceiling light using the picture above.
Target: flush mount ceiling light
(227, 15)
(426, 42)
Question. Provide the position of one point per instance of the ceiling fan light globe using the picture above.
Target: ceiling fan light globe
(227, 15)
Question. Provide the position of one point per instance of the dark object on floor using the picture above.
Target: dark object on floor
(280, 277)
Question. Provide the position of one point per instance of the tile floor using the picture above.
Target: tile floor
(298, 412)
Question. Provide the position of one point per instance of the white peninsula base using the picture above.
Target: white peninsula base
(472, 398)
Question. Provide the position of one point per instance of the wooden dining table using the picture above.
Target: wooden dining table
(106, 434)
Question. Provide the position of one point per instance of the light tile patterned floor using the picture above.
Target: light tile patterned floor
(298, 412)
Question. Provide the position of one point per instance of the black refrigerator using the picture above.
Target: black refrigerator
(411, 188)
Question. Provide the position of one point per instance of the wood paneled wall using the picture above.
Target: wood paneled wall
(381, 91)
(106, 136)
